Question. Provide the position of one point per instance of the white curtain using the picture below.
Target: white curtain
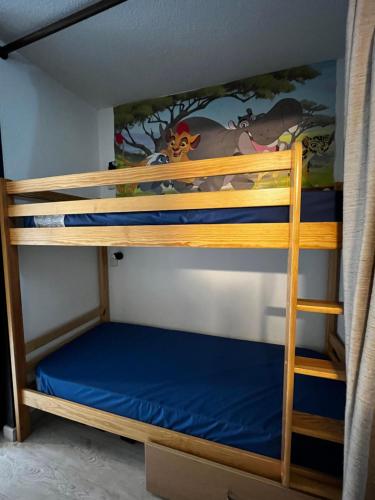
(359, 252)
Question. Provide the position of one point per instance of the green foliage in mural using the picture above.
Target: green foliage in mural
(260, 114)
(180, 106)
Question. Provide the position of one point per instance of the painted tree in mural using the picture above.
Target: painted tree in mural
(166, 112)
(312, 117)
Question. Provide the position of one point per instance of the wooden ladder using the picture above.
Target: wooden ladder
(293, 421)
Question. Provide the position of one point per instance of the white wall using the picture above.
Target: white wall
(235, 293)
(47, 130)
(105, 132)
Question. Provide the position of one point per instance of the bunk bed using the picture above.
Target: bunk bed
(137, 383)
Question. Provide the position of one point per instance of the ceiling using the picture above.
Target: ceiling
(149, 48)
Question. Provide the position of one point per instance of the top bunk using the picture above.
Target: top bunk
(250, 218)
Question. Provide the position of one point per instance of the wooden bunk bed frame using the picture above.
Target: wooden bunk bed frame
(293, 236)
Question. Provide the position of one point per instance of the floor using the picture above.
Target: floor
(66, 460)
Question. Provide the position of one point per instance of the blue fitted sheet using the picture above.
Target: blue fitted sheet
(317, 206)
(221, 389)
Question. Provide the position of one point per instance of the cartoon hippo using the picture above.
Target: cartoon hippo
(266, 128)
(251, 134)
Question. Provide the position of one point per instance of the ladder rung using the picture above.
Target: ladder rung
(320, 306)
(316, 426)
(315, 483)
(323, 368)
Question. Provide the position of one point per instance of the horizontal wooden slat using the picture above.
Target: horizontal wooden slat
(315, 483)
(139, 431)
(280, 160)
(67, 327)
(316, 426)
(320, 235)
(31, 364)
(319, 368)
(313, 235)
(320, 306)
(221, 199)
(50, 196)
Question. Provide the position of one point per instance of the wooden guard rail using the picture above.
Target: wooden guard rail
(220, 199)
(201, 168)
(326, 235)
(260, 162)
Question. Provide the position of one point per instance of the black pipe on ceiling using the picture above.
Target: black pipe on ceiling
(52, 28)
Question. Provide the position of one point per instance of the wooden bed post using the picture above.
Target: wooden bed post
(103, 284)
(14, 313)
(291, 309)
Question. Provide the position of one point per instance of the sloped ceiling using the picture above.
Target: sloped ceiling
(148, 48)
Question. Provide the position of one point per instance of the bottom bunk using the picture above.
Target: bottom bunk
(223, 390)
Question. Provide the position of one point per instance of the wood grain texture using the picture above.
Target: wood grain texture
(315, 483)
(67, 327)
(322, 368)
(139, 431)
(329, 429)
(320, 306)
(103, 283)
(313, 235)
(280, 160)
(219, 199)
(291, 309)
(181, 476)
(14, 314)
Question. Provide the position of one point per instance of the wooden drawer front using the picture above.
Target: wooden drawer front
(175, 475)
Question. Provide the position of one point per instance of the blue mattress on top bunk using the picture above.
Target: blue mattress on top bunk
(317, 206)
(221, 389)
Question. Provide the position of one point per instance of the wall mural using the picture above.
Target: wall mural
(258, 114)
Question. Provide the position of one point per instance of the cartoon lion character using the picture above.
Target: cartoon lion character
(180, 142)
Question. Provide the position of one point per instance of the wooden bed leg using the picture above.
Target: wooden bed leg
(15, 321)
(291, 310)
(103, 284)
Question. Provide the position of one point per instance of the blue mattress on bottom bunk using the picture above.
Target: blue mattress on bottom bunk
(221, 389)
(317, 206)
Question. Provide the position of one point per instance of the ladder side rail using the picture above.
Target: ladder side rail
(291, 309)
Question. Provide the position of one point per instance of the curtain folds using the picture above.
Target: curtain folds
(359, 252)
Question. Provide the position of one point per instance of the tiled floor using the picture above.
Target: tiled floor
(66, 460)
